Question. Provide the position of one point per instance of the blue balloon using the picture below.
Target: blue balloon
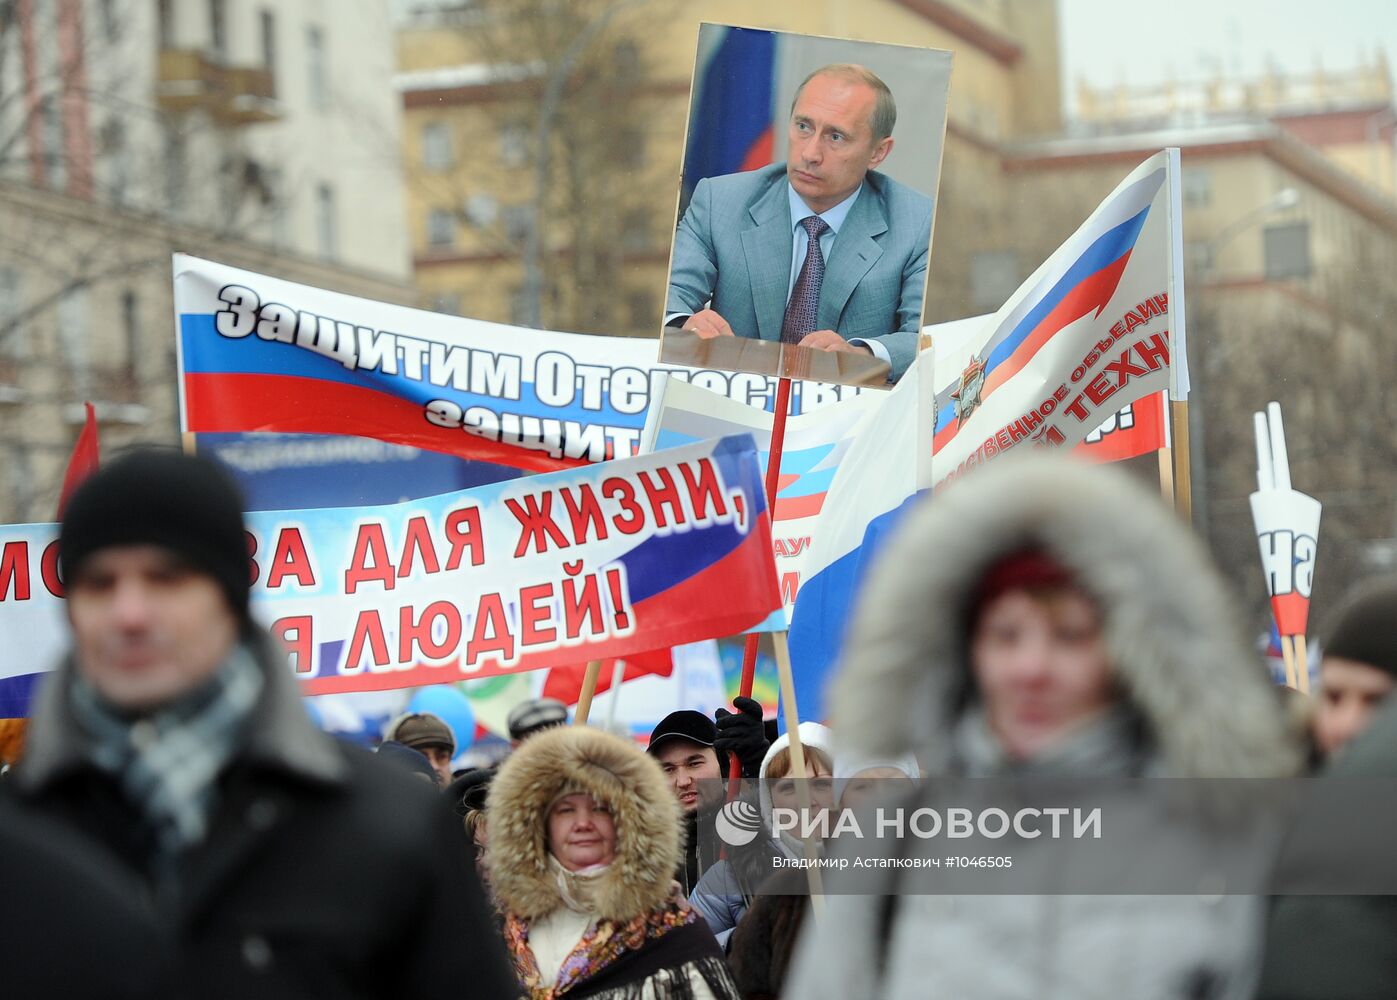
(452, 707)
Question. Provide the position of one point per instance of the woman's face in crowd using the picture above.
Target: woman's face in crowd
(1350, 693)
(1041, 664)
(581, 832)
(783, 788)
(872, 784)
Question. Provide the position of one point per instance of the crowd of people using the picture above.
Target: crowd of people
(179, 827)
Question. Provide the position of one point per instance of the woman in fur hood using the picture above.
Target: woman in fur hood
(1046, 618)
(584, 840)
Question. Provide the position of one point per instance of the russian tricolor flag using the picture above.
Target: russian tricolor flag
(734, 91)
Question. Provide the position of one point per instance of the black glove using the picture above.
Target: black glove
(743, 735)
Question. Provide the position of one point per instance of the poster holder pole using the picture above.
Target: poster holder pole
(773, 474)
(589, 688)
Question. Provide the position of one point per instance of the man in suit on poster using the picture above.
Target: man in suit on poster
(822, 251)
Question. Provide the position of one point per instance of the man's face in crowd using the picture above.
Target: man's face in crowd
(440, 759)
(693, 772)
(831, 140)
(1350, 693)
(147, 627)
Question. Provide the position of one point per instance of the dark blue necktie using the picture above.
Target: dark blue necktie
(804, 305)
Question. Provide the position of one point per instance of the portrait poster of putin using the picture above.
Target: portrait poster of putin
(798, 227)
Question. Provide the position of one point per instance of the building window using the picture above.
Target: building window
(55, 162)
(518, 222)
(176, 167)
(519, 307)
(13, 344)
(218, 29)
(1198, 257)
(131, 333)
(325, 228)
(111, 22)
(118, 155)
(994, 276)
(635, 230)
(446, 302)
(267, 33)
(73, 336)
(630, 148)
(514, 144)
(1287, 250)
(625, 60)
(436, 146)
(315, 68)
(441, 228)
(1197, 185)
(481, 210)
(165, 19)
(644, 312)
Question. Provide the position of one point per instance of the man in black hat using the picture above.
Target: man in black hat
(1359, 669)
(275, 860)
(693, 750)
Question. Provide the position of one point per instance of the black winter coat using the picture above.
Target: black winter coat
(325, 873)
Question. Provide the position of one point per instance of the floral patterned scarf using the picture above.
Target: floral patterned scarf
(603, 942)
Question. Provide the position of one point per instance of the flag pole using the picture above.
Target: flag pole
(1288, 657)
(1302, 662)
(1183, 477)
(773, 478)
(589, 688)
(786, 678)
(618, 671)
(1179, 380)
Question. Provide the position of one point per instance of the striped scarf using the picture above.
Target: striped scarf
(167, 761)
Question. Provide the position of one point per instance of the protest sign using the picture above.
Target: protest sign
(814, 444)
(257, 353)
(609, 560)
(1087, 333)
(1287, 532)
(745, 290)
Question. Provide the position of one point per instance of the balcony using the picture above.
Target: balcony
(189, 80)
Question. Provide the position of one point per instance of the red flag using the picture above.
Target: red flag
(565, 683)
(84, 460)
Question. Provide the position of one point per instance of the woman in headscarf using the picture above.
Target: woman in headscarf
(584, 840)
(1047, 619)
(726, 889)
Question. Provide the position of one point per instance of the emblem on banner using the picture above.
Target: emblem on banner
(967, 396)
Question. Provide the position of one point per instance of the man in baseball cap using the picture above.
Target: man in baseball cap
(693, 751)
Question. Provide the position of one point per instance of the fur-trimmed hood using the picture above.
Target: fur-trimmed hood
(1170, 626)
(649, 838)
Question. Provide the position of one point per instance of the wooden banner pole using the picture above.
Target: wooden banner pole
(786, 679)
(1288, 655)
(589, 688)
(1183, 478)
(1302, 663)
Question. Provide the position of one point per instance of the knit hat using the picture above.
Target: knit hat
(159, 496)
(1362, 627)
(1027, 569)
(422, 729)
(534, 715)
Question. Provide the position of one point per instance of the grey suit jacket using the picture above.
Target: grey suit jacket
(732, 253)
